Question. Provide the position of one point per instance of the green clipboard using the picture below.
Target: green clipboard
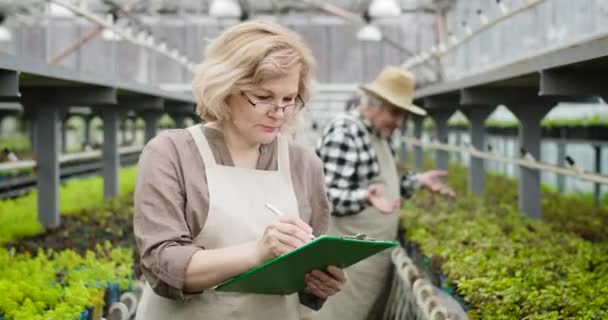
(285, 274)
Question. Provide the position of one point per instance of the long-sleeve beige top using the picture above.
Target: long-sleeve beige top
(172, 200)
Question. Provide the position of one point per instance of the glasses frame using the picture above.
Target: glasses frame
(275, 107)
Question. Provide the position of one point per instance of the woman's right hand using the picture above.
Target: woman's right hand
(281, 236)
(375, 197)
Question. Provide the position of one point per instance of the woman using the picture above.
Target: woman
(201, 193)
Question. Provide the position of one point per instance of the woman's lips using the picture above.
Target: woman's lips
(269, 129)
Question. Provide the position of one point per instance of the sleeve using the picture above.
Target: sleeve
(318, 202)
(340, 156)
(409, 185)
(319, 220)
(161, 232)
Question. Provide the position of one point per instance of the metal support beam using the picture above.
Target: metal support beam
(598, 169)
(64, 134)
(477, 172)
(133, 130)
(448, 100)
(570, 82)
(123, 130)
(178, 118)
(418, 152)
(66, 96)
(111, 158)
(530, 116)
(47, 158)
(141, 102)
(9, 85)
(561, 160)
(48, 105)
(441, 116)
(151, 118)
(87, 129)
(496, 96)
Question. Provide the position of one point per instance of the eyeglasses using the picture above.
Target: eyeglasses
(264, 107)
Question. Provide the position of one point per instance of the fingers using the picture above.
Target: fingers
(373, 190)
(318, 288)
(440, 173)
(325, 284)
(297, 222)
(286, 234)
(295, 227)
(337, 274)
(277, 244)
(313, 289)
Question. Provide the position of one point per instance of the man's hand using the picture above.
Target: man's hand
(375, 197)
(325, 284)
(431, 180)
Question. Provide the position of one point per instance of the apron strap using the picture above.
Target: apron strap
(203, 146)
(283, 158)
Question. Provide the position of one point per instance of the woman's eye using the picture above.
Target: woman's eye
(288, 99)
(262, 97)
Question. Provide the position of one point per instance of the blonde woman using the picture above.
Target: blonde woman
(200, 215)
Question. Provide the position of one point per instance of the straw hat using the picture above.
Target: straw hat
(396, 86)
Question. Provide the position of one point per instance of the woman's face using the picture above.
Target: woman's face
(261, 123)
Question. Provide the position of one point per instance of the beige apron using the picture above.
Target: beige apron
(237, 214)
(368, 279)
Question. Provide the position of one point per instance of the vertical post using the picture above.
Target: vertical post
(477, 171)
(529, 140)
(64, 134)
(87, 129)
(418, 153)
(123, 130)
(151, 118)
(598, 170)
(133, 130)
(441, 124)
(561, 161)
(178, 119)
(111, 120)
(2, 116)
(458, 134)
(47, 158)
(403, 151)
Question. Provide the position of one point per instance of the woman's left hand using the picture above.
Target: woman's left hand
(325, 284)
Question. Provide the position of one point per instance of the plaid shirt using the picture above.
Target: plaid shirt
(351, 163)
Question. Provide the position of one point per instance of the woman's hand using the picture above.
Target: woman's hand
(281, 236)
(325, 284)
(375, 197)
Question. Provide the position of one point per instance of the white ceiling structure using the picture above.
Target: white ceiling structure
(202, 7)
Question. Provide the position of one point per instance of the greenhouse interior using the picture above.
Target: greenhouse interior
(283, 159)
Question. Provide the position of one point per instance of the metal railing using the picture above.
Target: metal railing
(527, 161)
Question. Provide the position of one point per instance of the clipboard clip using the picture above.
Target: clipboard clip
(358, 236)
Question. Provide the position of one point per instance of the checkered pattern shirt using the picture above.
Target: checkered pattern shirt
(350, 163)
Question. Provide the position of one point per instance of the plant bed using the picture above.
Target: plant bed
(83, 231)
(507, 266)
(18, 217)
(60, 285)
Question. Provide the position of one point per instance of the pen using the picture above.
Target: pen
(280, 214)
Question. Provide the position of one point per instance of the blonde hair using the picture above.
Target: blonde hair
(242, 57)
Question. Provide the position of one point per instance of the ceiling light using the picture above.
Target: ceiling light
(369, 32)
(225, 9)
(384, 9)
(5, 34)
(57, 11)
(109, 35)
